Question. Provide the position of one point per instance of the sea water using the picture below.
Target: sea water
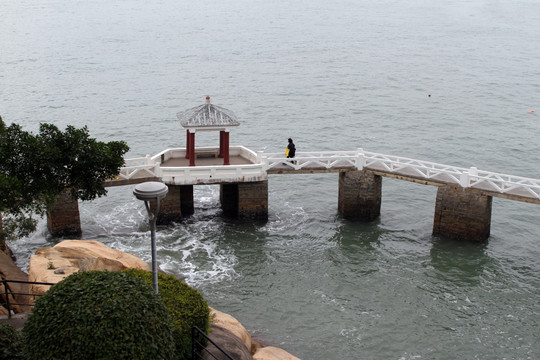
(453, 82)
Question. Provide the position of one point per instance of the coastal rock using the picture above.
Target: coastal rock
(229, 342)
(228, 322)
(273, 353)
(52, 264)
(255, 345)
(10, 271)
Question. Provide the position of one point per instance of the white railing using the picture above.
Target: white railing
(359, 159)
(188, 175)
(139, 167)
(505, 184)
(327, 160)
(212, 174)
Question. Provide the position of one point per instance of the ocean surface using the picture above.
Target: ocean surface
(449, 81)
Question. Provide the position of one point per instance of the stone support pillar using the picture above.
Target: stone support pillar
(3, 247)
(462, 213)
(359, 196)
(63, 218)
(2, 238)
(177, 203)
(247, 200)
(253, 200)
(228, 197)
(186, 200)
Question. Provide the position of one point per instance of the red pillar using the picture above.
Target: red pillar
(187, 144)
(226, 148)
(192, 149)
(221, 144)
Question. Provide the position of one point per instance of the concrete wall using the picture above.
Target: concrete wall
(359, 195)
(462, 213)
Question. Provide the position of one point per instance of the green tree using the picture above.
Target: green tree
(35, 168)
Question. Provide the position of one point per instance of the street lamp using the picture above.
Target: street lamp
(148, 191)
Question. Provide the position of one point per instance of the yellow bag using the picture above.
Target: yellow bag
(286, 151)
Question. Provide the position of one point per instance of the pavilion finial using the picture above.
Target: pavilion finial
(208, 99)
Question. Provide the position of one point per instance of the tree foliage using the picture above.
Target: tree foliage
(34, 169)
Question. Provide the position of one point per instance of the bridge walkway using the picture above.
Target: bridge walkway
(249, 166)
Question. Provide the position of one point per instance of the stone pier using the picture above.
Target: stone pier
(177, 203)
(359, 195)
(63, 218)
(462, 213)
(248, 200)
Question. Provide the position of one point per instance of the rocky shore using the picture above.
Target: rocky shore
(52, 264)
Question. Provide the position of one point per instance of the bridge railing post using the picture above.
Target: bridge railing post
(153, 166)
(360, 159)
(157, 170)
(465, 178)
(263, 160)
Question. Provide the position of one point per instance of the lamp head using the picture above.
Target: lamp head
(151, 190)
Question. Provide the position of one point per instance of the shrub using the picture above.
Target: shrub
(186, 306)
(11, 343)
(99, 315)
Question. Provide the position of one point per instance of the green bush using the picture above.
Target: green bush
(186, 306)
(99, 315)
(11, 347)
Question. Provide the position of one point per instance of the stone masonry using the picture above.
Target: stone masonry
(462, 213)
(228, 197)
(177, 203)
(359, 195)
(247, 200)
(63, 219)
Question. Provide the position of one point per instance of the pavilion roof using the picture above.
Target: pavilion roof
(207, 115)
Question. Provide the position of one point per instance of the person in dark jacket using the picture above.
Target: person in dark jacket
(292, 149)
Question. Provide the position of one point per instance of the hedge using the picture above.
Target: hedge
(99, 315)
(186, 306)
(11, 345)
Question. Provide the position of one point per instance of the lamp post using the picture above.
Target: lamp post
(148, 191)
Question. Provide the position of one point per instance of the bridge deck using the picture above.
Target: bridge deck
(144, 175)
(205, 161)
(518, 194)
(172, 167)
(136, 179)
(309, 169)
